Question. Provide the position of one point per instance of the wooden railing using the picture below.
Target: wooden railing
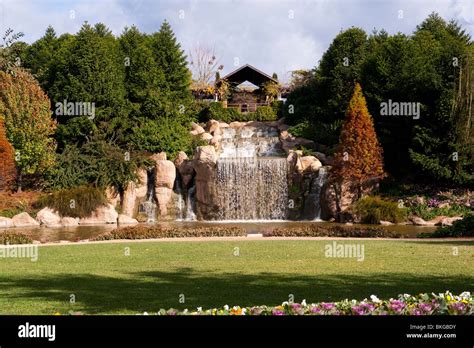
(246, 107)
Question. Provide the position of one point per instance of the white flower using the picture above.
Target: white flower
(375, 299)
(226, 307)
(284, 303)
(185, 311)
(303, 303)
(145, 313)
(199, 309)
(244, 310)
(466, 295)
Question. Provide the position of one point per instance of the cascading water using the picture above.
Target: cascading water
(252, 188)
(317, 187)
(149, 206)
(185, 204)
(251, 179)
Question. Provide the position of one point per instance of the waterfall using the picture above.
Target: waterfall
(312, 202)
(185, 204)
(190, 204)
(149, 206)
(252, 188)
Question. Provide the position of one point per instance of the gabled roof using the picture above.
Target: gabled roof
(248, 73)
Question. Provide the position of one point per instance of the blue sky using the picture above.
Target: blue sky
(273, 35)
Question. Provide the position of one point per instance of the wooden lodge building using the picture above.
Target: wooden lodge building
(244, 96)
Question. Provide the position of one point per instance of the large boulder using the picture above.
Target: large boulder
(113, 196)
(48, 217)
(133, 193)
(197, 128)
(213, 127)
(336, 206)
(206, 136)
(5, 222)
(126, 220)
(418, 221)
(69, 221)
(102, 215)
(185, 167)
(308, 164)
(448, 221)
(24, 220)
(165, 175)
(205, 163)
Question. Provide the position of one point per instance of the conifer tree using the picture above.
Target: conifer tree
(171, 59)
(359, 155)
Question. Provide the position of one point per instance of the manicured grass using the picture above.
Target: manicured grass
(104, 280)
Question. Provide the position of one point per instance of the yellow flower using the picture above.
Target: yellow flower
(57, 313)
(237, 311)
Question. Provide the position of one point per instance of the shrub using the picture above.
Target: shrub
(332, 231)
(146, 232)
(371, 210)
(11, 238)
(460, 228)
(428, 213)
(216, 111)
(75, 202)
(265, 113)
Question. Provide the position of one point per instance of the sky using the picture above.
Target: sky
(272, 35)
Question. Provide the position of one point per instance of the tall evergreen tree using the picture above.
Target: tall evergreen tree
(359, 155)
(91, 70)
(171, 59)
(141, 71)
(39, 57)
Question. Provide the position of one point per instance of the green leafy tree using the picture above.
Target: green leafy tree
(7, 160)
(26, 111)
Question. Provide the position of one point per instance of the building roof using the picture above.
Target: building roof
(248, 73)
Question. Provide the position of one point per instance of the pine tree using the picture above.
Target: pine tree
(141, 71)
(39, 57)
(359, 155)
(7, 161)
(171, 59)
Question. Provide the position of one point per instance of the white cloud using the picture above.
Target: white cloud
(258, 32)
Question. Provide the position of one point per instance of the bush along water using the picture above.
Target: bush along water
(75, 202)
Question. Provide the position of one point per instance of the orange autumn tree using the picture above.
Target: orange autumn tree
(359, 154)
(7, 161)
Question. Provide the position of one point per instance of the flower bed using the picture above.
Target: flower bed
(145, 232)
(422, 304)
(332, 231)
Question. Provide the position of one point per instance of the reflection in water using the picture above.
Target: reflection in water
(75, 234)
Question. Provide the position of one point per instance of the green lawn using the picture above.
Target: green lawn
(104, 280)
